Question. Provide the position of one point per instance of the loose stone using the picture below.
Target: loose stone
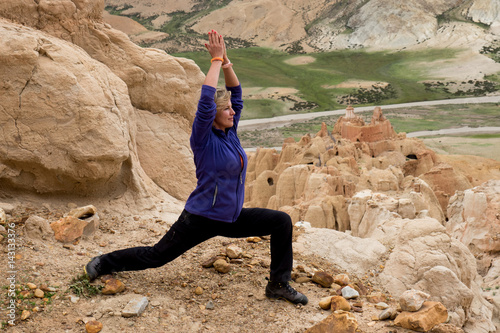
(25, 314)
(222, 266)
(386, 314)
(113, 286)
(135, 307)
(209, 305)
(348, 293)
(381, 306)
(93, 326)
(323, 279)
(341, 279)
(39, 293)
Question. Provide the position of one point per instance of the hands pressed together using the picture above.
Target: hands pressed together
(217, 47)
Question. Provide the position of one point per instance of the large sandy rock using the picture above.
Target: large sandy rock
(474, 217)
(291, 184)
(327, 212)
(352, 254)
(368, 210)
(422, 257)
(262, 189)
(164, 152)
(67, 121)
(371, 212)
(445, 181)
(431, 314)
(484, 11)
(423, 198)
(426, 258)
(380, 180)
(155, 82)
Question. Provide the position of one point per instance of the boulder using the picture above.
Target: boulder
(351, 254)
(426, 258)
(474, 217)
(68, 124)
(162, 89)
(163, 150)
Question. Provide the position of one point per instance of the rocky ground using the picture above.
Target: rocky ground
(183, 296)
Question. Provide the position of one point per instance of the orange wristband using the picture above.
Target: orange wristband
(217, 59)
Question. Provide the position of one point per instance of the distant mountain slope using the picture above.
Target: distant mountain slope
(319, 25)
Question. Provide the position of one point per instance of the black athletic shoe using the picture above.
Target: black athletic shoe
(92, 268)
(283, 290)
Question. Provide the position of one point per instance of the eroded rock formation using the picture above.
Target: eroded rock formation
(85, 109)
(390, 198)
(316, 178)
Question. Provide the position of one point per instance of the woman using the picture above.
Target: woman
(214, 208)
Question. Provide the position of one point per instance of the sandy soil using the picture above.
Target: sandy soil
(124, 24)
(301, 60)
(468, 65)
(239, 303)
(489, 148)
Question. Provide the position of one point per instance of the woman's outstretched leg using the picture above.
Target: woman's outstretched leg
(183, 235)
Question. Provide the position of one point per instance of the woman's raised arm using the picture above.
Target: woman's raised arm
(216, 49)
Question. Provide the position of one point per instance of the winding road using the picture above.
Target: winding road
(265, 123)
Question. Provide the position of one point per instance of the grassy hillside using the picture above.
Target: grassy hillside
(403, 71)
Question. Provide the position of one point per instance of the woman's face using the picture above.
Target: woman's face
(224, 117)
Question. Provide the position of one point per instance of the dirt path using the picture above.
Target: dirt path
(265, 123)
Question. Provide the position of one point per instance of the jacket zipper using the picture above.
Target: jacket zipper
(241, 180)
(215, 195)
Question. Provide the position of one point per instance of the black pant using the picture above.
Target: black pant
(191, 230)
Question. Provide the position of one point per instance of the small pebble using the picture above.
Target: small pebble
(209, 305)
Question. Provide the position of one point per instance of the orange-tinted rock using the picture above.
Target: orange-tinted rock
(338, 322)
(113, 286)
(68, 229)
(93, 326)
(340, 303)
(341, 279)
(430, 315)
(323, 279)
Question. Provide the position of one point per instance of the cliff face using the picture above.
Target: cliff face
(85, 110)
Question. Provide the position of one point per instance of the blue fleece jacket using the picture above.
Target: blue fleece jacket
(220, 171)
